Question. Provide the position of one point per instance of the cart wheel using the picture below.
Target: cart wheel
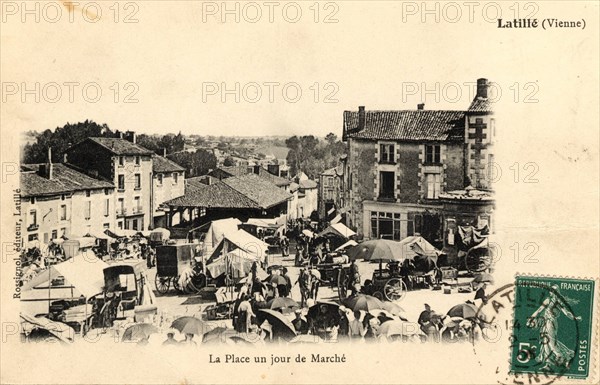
(198, 282)
(394, 289)
(342, 284)
(378, 295)
(162, 284)
(176, 285)
(480, 259)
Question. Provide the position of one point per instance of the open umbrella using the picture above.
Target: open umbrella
(395, 328)
(463, 310)
(484, 277)
(332, 309)
(139, 331)
(280, 325)
(425, 262)
(218, 334)
(283, 303)
(393, 308)
(363, 302)
(376, 250)
(189, 325)
(277, 280)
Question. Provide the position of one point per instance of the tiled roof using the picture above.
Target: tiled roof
(406, 125)
(307, 184)
(215, 195)
(64, 180)
(261, 191)
(246, 191)
(481, 105)
(245, 170)
(162, 164)
(120, 146)
(329, 172)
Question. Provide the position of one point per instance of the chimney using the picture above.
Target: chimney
(130, 136)
(120, 135)
(361, 117)
(164, 152)
(45, 170)
(421, 106)
(482, 88)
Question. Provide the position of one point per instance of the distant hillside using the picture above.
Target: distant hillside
(279, 152)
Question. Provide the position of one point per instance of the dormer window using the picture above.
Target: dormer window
(121, 160)
(386, 153)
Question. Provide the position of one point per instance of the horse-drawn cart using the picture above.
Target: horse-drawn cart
(171, 262)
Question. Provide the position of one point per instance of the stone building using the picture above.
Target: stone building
(401, 163)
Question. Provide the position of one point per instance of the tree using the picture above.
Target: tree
(62, 138)
(229, 161)
(312, 156)
(196, 163)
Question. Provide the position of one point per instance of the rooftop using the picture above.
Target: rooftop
(118, 146)
(246, 170)
(406, 125)
(162, 164)
(239, 192)
(64, 180)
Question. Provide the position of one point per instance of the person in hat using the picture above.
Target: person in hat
(189, 340)
(170, 341)
(344, 323)
(300, 324)
(356, 327)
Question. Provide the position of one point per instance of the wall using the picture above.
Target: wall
(48, 217)
(80, 225)
(129, 169)
(166, 191)
(479, 138)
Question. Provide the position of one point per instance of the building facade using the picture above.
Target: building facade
(129, 167)
(57, 201)
(168, 182)
(400, 163)
(331, 192)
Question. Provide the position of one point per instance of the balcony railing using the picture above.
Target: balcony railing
(137, 210)
(121, 212)
(33, 227)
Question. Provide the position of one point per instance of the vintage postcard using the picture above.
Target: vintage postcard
(303, 192)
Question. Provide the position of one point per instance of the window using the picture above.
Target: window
(432, 154)
(33, 218)
(385, 225)
(32, 200)
(386, 185)
(63, 231)
(88, 210)
(136, 205)
(121, 207)
(106, 225)
(63, 212)
(134, 224)
(46, 238)
(88, 193)
(386, 153)
(138, 181)
(120, 225)
(106, 191)
(160, 179)
(137, 160)
(121, 161)
(62, 197)
(106, 207)
(121, 182)
(175, 177)
(32, 237)
(330, 181)
(433, 183)
(54, 234)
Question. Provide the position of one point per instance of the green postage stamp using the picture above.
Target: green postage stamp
(552, 330)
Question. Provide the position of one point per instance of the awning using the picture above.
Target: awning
(417, 245)
(218, 229)
(263, 222)
(243, 244)
(85, 273)
(338, 229)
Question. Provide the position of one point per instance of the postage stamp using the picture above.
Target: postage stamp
(552, 330)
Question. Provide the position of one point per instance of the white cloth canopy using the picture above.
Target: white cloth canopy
(347, 244)
(338, 229)
(243, 244)
(84, 272)
(417, 245)
(218, 229)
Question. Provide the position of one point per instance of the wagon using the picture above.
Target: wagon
(387, 283)
(337, 276)
(171, 262)
(123, 291)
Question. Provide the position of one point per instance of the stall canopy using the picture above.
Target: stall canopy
(338, 229)
(217, 231)
(240, 243)
(83, 272)
(159, 234)
(417, 245)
